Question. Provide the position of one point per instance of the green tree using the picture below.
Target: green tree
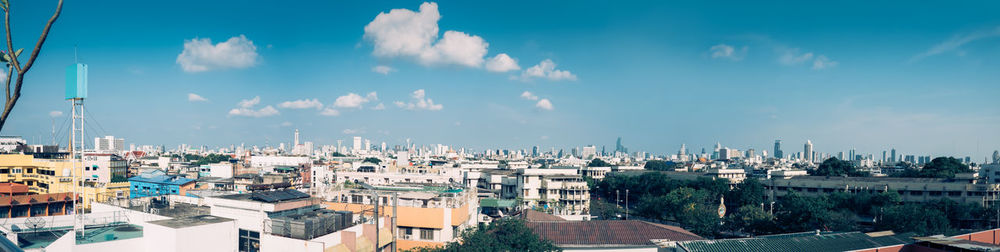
(837, 167)
(748, 192)
(798, 213)
(597, 162)
(913, 218)
(943, 167)
(659, 165)
(507, 234)
(372, 160)
(751, 219)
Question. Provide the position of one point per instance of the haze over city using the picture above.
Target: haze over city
(517, 74)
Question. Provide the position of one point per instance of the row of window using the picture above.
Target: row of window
(425, 233)
(901, 192)
(27, 171)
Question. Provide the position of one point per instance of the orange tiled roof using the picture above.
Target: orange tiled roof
(35, 199)
(8, 188)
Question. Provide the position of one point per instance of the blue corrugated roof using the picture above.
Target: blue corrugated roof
(162, 179)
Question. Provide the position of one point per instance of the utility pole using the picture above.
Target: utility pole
(376, 220)
(626, 204)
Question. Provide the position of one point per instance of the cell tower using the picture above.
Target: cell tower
(76, 92)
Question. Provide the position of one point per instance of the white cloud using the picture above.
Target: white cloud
(547, 69)
(529, 96)
(55, 113)
(725, 51)
(502, 63)
(352, 100)
(201, 55)
(353, 131)
(249, 103)
(380, 106)
(302, 104)
(384, 70)
(286, 124)
(957, 41)
(792, 57)
(192, 97)
(414, 35)
(420, 102)
(264, 112)
(329, 112)
(544, 104)
(822, 62)
(245, 108)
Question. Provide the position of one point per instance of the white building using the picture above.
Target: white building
(560, 191)
(263, 161)
(102, 168)
(109, 144)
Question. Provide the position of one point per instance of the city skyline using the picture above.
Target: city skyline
(643, 72)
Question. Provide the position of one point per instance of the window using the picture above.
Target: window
(955, 194)
(917, 193)
(249, 241)
(426, 234)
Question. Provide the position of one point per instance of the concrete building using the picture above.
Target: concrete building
(427, 215)
(264, 161)
(157, 183)
(104, 168)
(911, 189)
(218, 170)
(559, 191)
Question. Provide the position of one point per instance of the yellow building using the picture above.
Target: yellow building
(43, 175)
(425, 218)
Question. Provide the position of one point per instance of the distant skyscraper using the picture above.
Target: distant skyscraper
(296, 137)
(534, 151)
(996, 157)
(892, 158)
(777, 150)
(808, 151)
(618, 145)
(357, 144)
(682, 151)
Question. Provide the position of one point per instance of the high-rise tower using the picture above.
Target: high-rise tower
(807, 151)
(777, 149)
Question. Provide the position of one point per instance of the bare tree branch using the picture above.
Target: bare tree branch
(12, 97)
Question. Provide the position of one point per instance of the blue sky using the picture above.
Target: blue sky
(867, 75)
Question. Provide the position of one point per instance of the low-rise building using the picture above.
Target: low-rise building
(427, 215)
(156, 183)
(558, 191)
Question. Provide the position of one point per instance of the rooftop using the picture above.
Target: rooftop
(608, 232)
(806, 241)
(190, 221)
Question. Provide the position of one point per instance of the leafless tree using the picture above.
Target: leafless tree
(16, 71)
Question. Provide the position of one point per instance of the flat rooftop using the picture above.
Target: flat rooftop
(176, 210)
(190, 221)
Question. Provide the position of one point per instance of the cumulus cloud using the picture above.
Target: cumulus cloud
(286, 124)
(380, 106)
(502, 63)
(547, 70)
(246, 108)
(822, 62)
(792, 57)
(419, 102)
(529, 96)
(724, 51)
(414, 35)
(201, 55)
(55, 113)
(192, 97)
(384, 70)
(329, 112)
(544, 104)
(352, 100)
(302, 104)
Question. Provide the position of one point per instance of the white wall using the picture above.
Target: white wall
(221, 236)
(285, 244)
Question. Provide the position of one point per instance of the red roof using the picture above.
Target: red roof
(15, 188)
(36, 199)
(608, 232)
(532, 215)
